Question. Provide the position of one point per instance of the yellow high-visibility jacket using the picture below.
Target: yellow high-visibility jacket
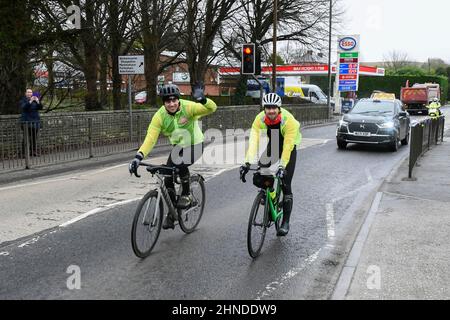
(182, 128)
(290, 130)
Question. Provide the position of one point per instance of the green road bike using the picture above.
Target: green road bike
(154, 206)
(267, 209)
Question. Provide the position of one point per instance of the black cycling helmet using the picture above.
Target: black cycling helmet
(168, 91)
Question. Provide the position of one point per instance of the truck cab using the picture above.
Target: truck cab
(417, 97)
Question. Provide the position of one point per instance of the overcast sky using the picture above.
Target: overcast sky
(419, 28)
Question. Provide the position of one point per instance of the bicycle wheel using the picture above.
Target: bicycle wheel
(190, 218)
(257, 226)
(146, 225)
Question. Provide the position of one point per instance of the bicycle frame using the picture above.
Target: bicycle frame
(272, 203)
(164, 194)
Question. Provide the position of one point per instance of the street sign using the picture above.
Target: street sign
(181, 77)
(348, 77)
(131, 65)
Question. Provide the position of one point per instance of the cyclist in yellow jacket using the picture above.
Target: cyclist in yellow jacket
(284, 134)
(178, 120)
(435, 104)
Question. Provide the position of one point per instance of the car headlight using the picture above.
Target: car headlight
(343, 123)
(387, 125)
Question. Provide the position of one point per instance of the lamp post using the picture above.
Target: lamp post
(274, 57)
(329, 59)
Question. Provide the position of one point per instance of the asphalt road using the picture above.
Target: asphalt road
(332, 192)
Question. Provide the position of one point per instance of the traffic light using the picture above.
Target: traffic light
(248, 58)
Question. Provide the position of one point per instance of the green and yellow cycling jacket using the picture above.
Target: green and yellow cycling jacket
(290, 130)
(182, 128)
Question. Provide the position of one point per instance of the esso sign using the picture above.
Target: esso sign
(347, 44)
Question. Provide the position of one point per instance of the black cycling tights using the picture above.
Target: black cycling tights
(182, 158)
(266, 160)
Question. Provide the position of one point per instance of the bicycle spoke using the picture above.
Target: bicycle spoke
(146, 225)
(190, 218)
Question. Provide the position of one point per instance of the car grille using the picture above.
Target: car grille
(363, 127)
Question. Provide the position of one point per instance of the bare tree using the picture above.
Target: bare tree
(84, 48)
(158, 18)
(21, 33)
(304, 23)
(396, 60)
(123, 30)
(203, 21)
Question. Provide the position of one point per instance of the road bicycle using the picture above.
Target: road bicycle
(160, 202)
(267, 209)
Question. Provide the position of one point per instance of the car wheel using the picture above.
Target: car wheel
(341, 144)
(393, 146)
(406, 140)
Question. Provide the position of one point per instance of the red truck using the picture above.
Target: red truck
(417, 97)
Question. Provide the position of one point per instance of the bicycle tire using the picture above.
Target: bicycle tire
(253, 250)
(183, 218)
(138, 251)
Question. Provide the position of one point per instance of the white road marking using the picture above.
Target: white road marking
(33, 184)
(331, 231)
(275, 285)
(97, 210)
(31, 241)
(369, 175)
(30, 184)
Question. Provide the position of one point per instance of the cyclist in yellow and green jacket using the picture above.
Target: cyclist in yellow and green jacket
(178, 120)
(284, 134)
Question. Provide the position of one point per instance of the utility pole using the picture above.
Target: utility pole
(274, 57)
(329, 59)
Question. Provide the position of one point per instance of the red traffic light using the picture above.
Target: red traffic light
(248, 58)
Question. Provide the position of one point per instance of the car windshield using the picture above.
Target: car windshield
(321, 94)
(382, 107)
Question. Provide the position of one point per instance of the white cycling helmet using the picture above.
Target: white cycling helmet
(435, 100)
(272, 99)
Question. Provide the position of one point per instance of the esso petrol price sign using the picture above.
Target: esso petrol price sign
(348, 43)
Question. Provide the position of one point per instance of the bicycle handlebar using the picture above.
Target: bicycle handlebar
(155, 168)
(242, 175)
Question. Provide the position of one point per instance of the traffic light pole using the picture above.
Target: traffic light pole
(261, 92)
(329, 60)
(274, 57)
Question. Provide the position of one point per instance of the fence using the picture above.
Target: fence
(74, 136)
(424, 134)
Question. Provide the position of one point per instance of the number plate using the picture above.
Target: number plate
(364, 134)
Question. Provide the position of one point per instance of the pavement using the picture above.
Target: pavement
(402, 251)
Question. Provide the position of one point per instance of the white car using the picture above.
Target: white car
(141, 97)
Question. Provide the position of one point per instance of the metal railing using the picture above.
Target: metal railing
(74, 136)
(424, 134)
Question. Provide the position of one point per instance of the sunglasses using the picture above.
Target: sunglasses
(270, 107)
(172, 99)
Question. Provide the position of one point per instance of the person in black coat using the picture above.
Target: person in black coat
(30, 119)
